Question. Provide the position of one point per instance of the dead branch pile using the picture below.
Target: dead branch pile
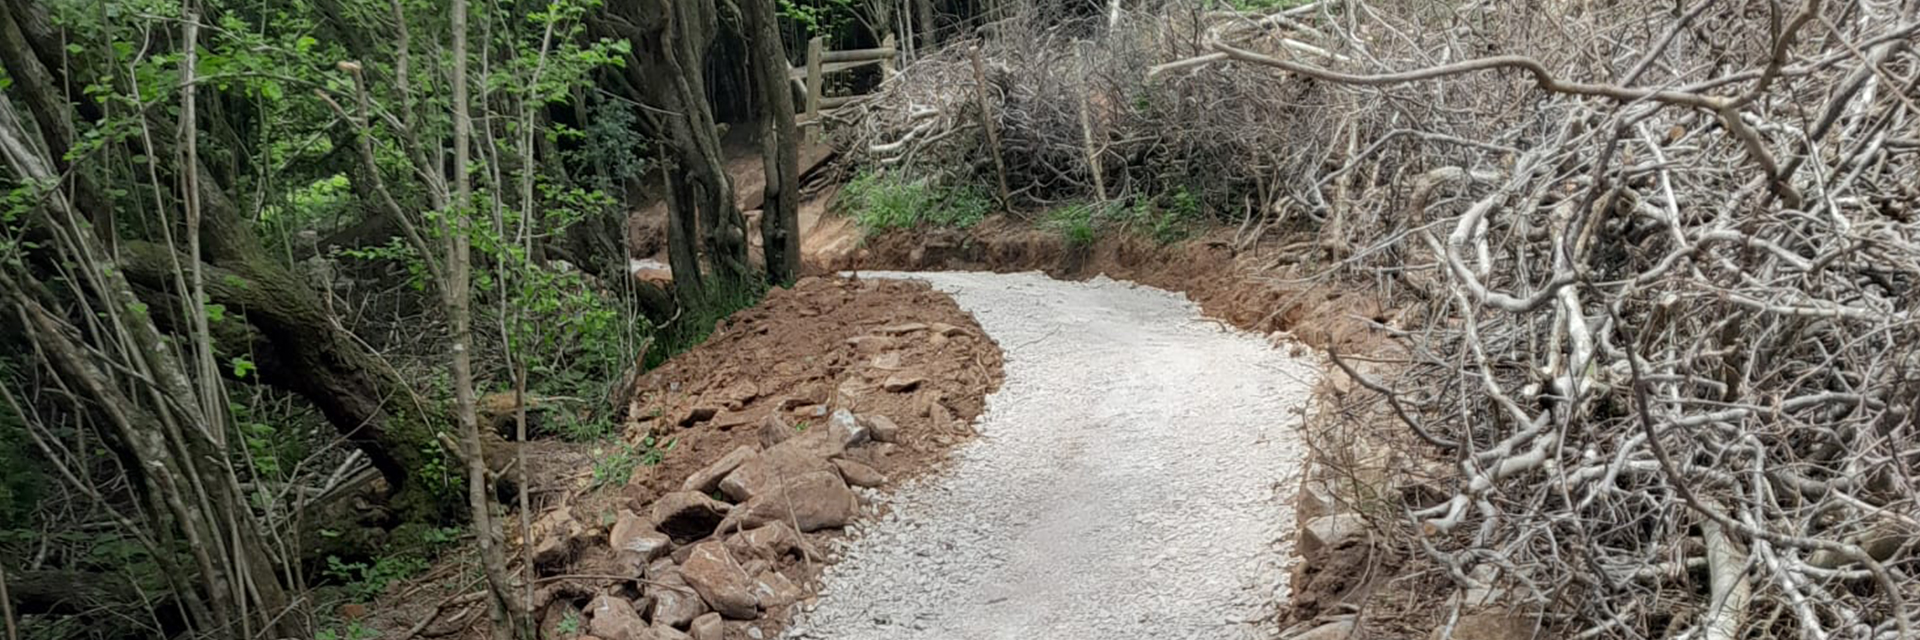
(1079, 114)
(1661, 261)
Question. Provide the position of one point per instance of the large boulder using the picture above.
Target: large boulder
(613, 618)
(720, 581)
(708, 479)
(686, 516)
(811, 501)
(805, 452)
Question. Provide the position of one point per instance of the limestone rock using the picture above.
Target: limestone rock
(675, 603)
(708, 479)
(773, 430)
(1314, 499)
(770, 541)
(902, 382)
(635, 534)
(812, 501)
(859, 474)
(708, 627)
(686, 516)
(658, 632)
(882, 428)
(1326, 532)
(847, 429)
(613, 618)
(556, 535)
(775, 590)
(721, 583)
(764, 472)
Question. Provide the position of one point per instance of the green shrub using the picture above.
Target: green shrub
(879, 202)
(1169, 218)
(365, 581)
(1076, 223)
(616, 465)
(719, 299)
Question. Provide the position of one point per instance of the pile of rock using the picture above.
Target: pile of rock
(726, 549)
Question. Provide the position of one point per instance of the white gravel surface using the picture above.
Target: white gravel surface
(1133, 478)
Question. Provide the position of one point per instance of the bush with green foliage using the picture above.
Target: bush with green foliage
(1077, 223)
(719, 299)
(617, 464)
(1169, 218)
(883, 201)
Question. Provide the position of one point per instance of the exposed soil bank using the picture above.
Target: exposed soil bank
(1244, 287)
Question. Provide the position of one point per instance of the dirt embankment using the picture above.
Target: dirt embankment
(1248, 288)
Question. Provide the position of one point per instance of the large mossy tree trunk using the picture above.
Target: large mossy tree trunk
(309, 353)
(670, 40)
(779, 143)
(306, 351)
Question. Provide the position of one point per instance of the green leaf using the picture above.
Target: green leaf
(216, 312)
(242, 367)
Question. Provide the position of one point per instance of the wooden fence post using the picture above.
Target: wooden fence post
(987, 119)
(814, 78)
(886, 64)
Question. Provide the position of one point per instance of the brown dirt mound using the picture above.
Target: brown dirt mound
(878, 348)
(825, 344)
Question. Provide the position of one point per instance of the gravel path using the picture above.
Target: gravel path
(1133, 479)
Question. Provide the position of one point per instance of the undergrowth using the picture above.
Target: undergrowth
(719, 299)
(880, 201)
(616, 465)
(1170, 218)
(1077, 223)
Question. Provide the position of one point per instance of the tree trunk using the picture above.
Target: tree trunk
(319, 359)
(923, 10)
(670, 39)
(458, 294)
(780, 211)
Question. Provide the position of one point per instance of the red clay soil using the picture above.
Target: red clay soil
(875, 347)
(826, 344)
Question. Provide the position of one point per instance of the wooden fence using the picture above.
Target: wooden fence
(811, 79)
